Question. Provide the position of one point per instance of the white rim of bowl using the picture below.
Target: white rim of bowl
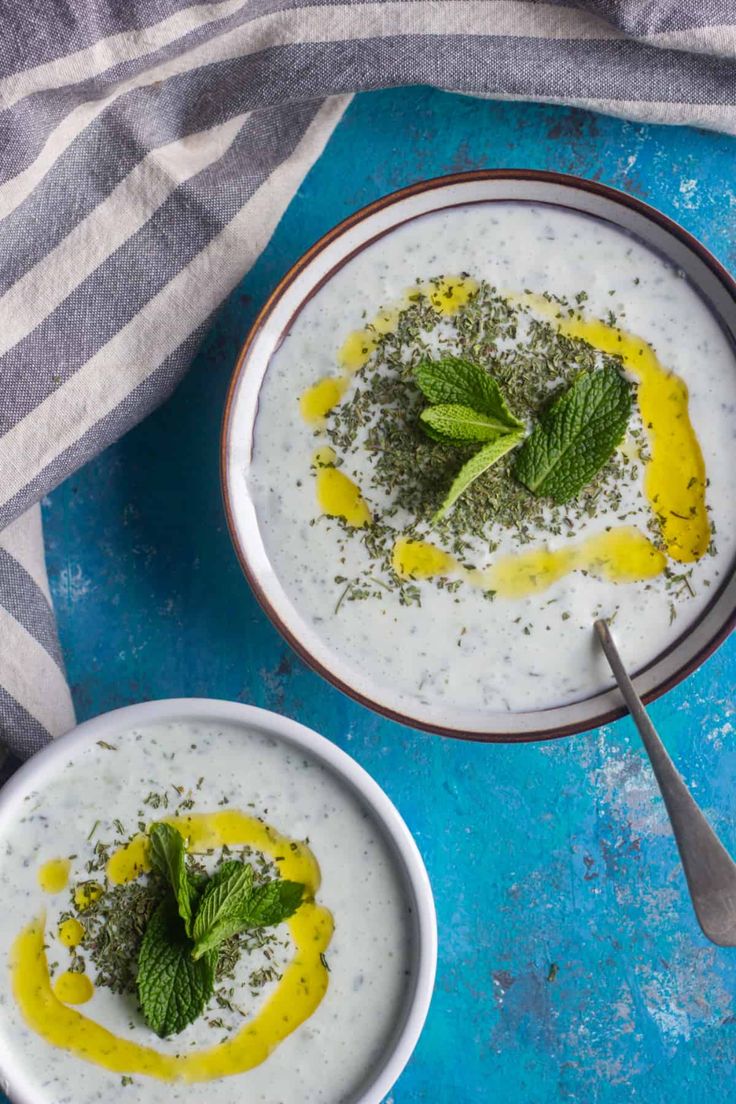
(36, 771)
(659, 234)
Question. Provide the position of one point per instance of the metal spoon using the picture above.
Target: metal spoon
(709, 869)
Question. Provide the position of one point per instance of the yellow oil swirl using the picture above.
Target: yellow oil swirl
(128, 862)
(357, 347)
(620, 555)
(303, 983)
(72, 988)
(71, 932)
(318, 400)
(355, 350)
(674, 478)
(450, 293)
(87, 894)
(418, 559)
(337, 494)
(53, 876)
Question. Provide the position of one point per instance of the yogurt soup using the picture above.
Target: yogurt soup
(302, 1011)
(441, 591)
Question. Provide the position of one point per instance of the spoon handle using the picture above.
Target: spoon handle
(709, 869)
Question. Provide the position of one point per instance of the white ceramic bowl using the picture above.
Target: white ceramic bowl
(318, 266)
(42, 767)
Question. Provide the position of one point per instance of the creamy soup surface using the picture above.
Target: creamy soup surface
(456, 653)
(226, 768)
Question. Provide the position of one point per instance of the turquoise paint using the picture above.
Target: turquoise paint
(539, 854)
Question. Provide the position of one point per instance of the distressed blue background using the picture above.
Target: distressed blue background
(539, 855)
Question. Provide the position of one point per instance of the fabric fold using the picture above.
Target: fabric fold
(35, 702)
(149, 151)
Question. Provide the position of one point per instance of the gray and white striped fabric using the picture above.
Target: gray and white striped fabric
(147, 151)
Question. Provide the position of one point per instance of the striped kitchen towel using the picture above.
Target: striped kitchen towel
(147, 151)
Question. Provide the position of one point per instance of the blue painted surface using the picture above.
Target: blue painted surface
(539, 854)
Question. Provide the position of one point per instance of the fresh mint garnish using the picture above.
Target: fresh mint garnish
(173, 988)
(476, 465)
(576, 435)
(232, 904)
(460, 425)
(167, 858)
(468, 408)
(178, 957)
(455, 381)
(272, 902)
(225, 889)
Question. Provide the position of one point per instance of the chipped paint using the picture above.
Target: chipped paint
(73, 584)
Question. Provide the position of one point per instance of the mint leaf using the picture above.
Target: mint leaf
(460, 382)
(576, 436)
(271, 903)
(231, 904)
(168, 858)
(224, 892)
(483, 459)
(173, 988)
(457, 424)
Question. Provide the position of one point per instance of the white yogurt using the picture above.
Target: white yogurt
(458, 650)
(370, 956)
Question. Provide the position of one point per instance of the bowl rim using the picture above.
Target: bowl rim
(568, 180)
(348, 771)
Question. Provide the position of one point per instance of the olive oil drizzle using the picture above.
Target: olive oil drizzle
(621, 554)
(300, 991)
(674, 470)
(674, 479)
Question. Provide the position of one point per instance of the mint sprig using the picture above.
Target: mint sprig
(454, 380)
(178, 957)
(456, 424)
(468, 408)
(173, 988)
(232, 904)
(566, 449)
(575, 436)
(168, 859)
